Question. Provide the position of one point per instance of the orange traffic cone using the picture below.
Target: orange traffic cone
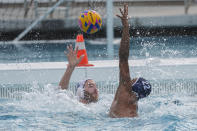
(82, 51)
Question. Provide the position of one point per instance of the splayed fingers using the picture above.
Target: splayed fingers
(124, 12)
(72, 56)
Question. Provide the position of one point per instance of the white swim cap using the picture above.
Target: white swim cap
(80, 89)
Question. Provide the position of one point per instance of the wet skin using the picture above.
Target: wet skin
(125, 101)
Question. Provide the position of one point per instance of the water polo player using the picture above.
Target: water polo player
(87, 91)
(129, 91)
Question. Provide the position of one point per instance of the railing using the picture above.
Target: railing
(188, 4)
(188, 87)
(166, 76)
(51, 9)
(32, 9)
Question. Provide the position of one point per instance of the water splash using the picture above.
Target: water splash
(52, 109)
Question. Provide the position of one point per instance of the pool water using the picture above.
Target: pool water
(140, 48)
(54, 109)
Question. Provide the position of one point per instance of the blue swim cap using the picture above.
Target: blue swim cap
(141, 88)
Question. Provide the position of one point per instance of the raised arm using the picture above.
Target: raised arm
(124, 48)
(73, 61)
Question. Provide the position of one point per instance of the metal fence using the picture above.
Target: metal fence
(158, 88)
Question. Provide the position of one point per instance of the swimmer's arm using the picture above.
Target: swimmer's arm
(124, 48)
(66, 77)
(73, 61)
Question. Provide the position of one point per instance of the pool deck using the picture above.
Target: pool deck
(142, 16)
(51, 72)
(148, 18)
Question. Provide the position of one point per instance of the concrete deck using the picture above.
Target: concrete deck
(167, 76)
(63, 23)
(51, 72)
(151, 15)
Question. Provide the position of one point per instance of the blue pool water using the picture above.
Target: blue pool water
(53, 109)
(140, 48)
(60, 110)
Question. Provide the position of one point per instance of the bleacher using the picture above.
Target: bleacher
(17, 15)
(32, 9)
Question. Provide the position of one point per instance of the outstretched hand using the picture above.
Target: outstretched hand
(124, 17)
(72, 56)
